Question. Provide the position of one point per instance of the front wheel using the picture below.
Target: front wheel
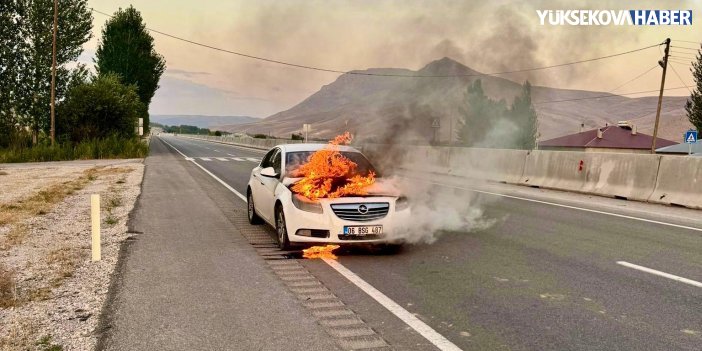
(281, 229)
(251, 209)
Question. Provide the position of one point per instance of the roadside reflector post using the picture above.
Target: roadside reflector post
(95, 219)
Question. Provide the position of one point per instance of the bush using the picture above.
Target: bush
(98, 109)
(260, 136)
(218, 133)
(297, 136)
(110, 147)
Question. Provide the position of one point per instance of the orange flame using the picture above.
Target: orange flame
(320, 252)
(328, 174)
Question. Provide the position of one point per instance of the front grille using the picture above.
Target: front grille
(355, 212)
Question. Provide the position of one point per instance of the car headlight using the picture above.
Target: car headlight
(401, 203)
(302, 203)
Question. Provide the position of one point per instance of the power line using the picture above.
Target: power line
(380, 74)
(604, 96)
(685, 48)
(680, 79)
(633, 79)
(691, 42)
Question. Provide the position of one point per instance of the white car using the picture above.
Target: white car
(298, 221)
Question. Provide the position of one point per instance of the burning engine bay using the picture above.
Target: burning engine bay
(331, 173)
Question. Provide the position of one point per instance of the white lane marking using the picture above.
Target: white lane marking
(561, 205)
(662, 274)
(253, 159)
(221, 159)
(415, 323)
(205, 158)
(238, 194)
(238, 159)
(231, 155)
(215, 150)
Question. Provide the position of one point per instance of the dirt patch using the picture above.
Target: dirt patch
(51, 292)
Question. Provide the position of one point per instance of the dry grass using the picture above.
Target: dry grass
(65, 260)
(2, 173)
(8, 287)
(19, 335)
(43, 201)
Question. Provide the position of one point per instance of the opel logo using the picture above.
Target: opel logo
(362, 209)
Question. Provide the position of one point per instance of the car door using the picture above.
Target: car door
(268, 186)
(258, 183)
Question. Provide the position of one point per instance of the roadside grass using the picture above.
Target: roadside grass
(108, 148)
(65, 260)
(8, 287)
(20, 335)
(45, 344)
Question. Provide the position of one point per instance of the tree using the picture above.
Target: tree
(74, 29)
(490, 123)
(98, 109)
(11, 48)
(127, 49)
(479, 115)
(522, 113)
(693, 106)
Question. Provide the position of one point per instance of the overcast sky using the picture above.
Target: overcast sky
(347, 35)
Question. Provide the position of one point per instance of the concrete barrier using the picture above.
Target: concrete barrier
(629, 176)
(679, 182)
(498, 165)
(256, 143)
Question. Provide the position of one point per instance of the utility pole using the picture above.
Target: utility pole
(53, 76)
(664, 64)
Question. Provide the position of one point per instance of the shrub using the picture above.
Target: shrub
(110, 147)
(98, 109)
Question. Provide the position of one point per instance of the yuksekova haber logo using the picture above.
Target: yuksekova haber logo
(615, 17)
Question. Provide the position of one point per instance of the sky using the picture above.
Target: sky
(348, 35)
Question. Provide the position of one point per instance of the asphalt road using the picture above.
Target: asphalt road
(543, 277)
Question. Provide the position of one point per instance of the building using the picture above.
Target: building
(681, 149)
(622, 138)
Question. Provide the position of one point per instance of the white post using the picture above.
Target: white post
(95, 219)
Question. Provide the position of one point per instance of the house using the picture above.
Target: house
(622, 138)
(681, 149)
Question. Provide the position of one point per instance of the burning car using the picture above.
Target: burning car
(323, 194)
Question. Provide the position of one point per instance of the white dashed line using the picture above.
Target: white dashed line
(205, 158)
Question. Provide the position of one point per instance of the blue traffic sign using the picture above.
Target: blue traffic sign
(691, 136)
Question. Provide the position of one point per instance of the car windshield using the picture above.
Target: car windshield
(295, 159)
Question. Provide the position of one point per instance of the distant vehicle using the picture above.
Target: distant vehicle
(298, 221)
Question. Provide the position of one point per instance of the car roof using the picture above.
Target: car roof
(311, 147)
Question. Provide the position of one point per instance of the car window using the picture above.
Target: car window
(293, 160)
(267, 160)
(275, 163)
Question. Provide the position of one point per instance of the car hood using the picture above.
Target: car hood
(380, 189)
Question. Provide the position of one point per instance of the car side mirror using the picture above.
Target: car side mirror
(269, 172)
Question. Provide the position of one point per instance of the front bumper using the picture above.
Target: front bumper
(298, 220)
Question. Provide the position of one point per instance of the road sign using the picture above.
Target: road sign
(435, 123)
(691, 136)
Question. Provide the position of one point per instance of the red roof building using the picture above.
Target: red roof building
(622, 138)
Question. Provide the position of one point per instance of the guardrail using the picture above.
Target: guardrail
(256, 143)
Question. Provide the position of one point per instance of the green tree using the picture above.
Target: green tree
(127, 49)
(100, 108)
(522, 114)
(74, 29)
(11, 48)
(480, 115)
(693, 106)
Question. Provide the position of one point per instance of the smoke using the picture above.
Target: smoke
(434, 210)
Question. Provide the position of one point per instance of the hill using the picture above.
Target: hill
(202, 121)
(381, 107)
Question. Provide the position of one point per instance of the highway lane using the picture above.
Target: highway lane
(544, 277)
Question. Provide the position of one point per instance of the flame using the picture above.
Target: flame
(320, 252)
(328, 174)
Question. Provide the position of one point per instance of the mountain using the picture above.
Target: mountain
(201, 121)
(383, 107)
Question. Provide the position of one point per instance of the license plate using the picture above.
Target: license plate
(363, 230)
